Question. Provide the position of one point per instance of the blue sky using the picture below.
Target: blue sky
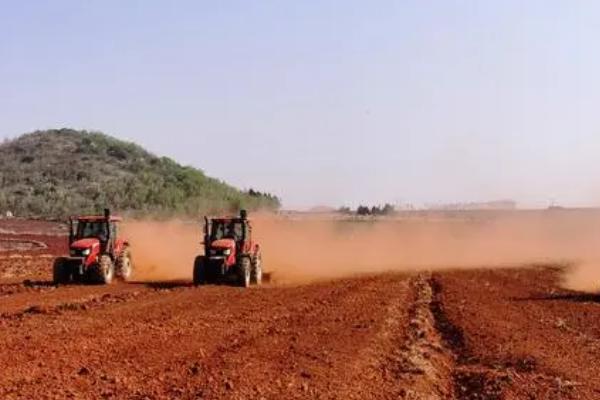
(325, 102)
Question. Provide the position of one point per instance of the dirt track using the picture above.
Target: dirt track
(479, 334)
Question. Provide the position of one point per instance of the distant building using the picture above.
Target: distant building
(487, 205)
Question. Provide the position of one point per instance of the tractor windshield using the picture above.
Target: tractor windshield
(227, 230)
(92, 229)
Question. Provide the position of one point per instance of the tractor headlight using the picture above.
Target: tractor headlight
(85, 252)
(226, 252)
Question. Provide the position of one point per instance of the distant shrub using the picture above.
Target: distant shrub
(386, 209)
(363, 210)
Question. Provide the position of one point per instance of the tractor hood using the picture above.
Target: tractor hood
(86, 243)
(223, 244)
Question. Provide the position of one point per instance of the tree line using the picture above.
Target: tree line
(363, 210)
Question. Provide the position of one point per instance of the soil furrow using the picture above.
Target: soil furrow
(471, 380)
(53, 301)
(493, 362)
(422, 364)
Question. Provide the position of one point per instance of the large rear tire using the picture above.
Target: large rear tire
(60, 272)
(256, 275)
(103, 271)
(125, 266)
(200, 271)
(244, 272)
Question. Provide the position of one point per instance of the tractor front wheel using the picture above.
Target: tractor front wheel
(125, 266)
(244, 271)
(60, 272)
(256, 275)
(199, 271)
(103, 271)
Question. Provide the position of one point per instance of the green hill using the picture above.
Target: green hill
(55, 173)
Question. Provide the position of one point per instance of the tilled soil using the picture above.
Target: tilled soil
(516, 335)
(484, 334)
(472, 334)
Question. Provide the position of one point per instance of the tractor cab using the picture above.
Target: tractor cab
(226, 235)
(229, 252)
(90, 231)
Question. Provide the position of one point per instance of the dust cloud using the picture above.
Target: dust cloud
(301, 249)
(163, 250)
(583, 276)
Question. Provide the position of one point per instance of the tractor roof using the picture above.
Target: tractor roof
(229, 219)
(91, 218)
(243, 218)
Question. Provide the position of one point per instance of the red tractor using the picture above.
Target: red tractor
(230, 254)
(97, 254)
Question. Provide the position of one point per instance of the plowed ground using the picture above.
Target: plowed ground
(477, 334)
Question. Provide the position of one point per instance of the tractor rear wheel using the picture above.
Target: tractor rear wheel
(199, 271)
(60, 271)
(256, 275)
(244, 271)
(125, 265)
(103, 271)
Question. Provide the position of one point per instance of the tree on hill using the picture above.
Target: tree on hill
(55, 173)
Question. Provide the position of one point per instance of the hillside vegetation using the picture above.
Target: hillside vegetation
(55, 173)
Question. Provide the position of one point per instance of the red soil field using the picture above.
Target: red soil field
(503, 333)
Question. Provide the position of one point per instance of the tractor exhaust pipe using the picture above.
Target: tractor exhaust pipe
(71, 230)
(108, 244)
(206, 239)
